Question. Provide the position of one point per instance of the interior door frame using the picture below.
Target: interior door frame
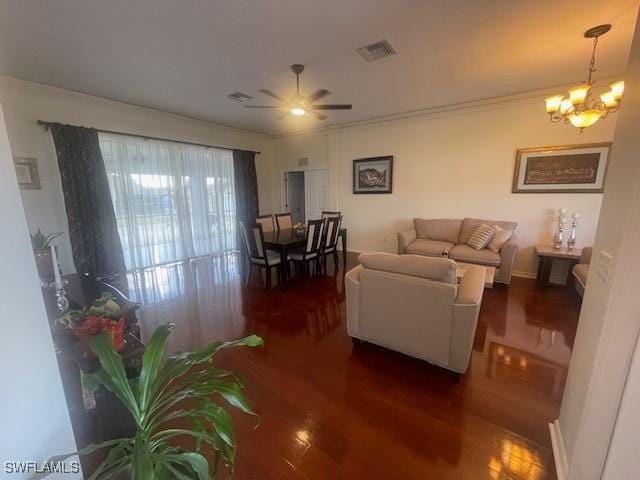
(283, 187)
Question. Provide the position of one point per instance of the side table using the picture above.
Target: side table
(546, 255)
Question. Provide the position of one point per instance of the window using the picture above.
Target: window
(172, 201)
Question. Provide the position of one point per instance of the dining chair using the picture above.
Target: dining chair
(268, 225)
(257, 254)
(328, 214)
(284, 221)
(330, 240)
(311, 250)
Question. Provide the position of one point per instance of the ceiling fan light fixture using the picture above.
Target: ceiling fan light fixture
(298, 111)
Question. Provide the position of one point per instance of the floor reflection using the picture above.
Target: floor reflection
(330, 411)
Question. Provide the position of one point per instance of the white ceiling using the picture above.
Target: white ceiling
(185, 56)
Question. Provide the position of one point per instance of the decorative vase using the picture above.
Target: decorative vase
(45, 266)
(559, 238)
(572, 237)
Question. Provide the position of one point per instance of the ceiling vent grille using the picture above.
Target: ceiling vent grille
(377, 51)
(239, 97)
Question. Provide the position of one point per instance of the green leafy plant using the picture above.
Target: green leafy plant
(157, 397)
(40, 241)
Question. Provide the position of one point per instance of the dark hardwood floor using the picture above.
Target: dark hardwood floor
(332, 411)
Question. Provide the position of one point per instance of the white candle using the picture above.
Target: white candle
(56, 270)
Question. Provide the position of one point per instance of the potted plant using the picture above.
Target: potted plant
(103, 315)
(156, 401)
(41, 245)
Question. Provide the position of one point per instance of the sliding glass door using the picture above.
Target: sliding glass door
(172, 201)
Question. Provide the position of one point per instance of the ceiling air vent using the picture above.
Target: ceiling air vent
(239, 97)
(376, 51)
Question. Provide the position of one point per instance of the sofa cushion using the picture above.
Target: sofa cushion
(481, 237)
(581, 271)
(440, 269)
(444, 230)
(469, 226)
(430, 248)
(500, 237)
(465, 253)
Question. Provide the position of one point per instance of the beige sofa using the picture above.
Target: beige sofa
(412, 304)
(581, 270)
(431, 237)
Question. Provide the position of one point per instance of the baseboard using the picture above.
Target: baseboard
(559, 453)
(523, 274)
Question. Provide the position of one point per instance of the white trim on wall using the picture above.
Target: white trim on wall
(559, 453)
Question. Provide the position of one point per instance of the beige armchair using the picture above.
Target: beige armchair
(412, 304)
(581, 270)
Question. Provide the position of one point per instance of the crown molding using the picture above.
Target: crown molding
(144, 107)
(453, 108)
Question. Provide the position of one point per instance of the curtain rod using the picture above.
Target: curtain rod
(48, 125)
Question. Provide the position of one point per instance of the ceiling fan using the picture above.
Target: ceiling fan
(299, 104)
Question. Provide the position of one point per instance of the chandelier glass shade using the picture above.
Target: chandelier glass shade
(583, 107)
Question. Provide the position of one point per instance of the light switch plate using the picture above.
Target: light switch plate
(604, 265)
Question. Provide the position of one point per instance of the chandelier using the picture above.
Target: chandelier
(581, 107)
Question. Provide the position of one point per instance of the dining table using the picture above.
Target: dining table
(286, 239)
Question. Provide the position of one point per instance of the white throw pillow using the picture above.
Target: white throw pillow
(500, 237)
(481, 237)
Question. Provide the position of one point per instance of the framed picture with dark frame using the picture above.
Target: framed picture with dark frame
(27, 173)
(561, 169)
(373, 175)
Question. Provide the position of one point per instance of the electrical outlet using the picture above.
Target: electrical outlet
(604, 265)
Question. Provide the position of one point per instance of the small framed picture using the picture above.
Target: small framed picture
(373, 175)
(27, 172)
(561, 169)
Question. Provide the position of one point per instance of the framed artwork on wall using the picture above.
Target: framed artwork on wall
(561, 169)
(27, 173)
(373, 175)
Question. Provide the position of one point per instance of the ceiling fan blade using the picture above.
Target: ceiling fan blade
(318, 116)
(261, 106)
(318, 95)
(273, 95)
(331, 107)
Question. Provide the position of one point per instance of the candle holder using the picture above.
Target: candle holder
(558, 238)
(571, 242)
(61, 299)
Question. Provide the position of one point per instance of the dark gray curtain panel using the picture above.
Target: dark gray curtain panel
(93, 231)
(245, 182)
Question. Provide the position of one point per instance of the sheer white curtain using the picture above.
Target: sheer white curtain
(172, 201)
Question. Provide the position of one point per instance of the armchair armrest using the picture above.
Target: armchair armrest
(465, 318)
(405, 239)
(507, 259)
(352, 287)
(585, 257)
(471, 286)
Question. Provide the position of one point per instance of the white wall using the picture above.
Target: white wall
(610, 316)
(450, 164)
(27, 102)
(33, 412)
(621, 462)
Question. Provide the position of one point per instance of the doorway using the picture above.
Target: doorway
(305, 193)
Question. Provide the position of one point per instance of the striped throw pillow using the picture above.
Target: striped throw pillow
(481, 237)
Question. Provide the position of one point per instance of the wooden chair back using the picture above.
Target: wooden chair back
(332, 229)
(314, 236)
(253, 239)
(267, 222)
(284, 221)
